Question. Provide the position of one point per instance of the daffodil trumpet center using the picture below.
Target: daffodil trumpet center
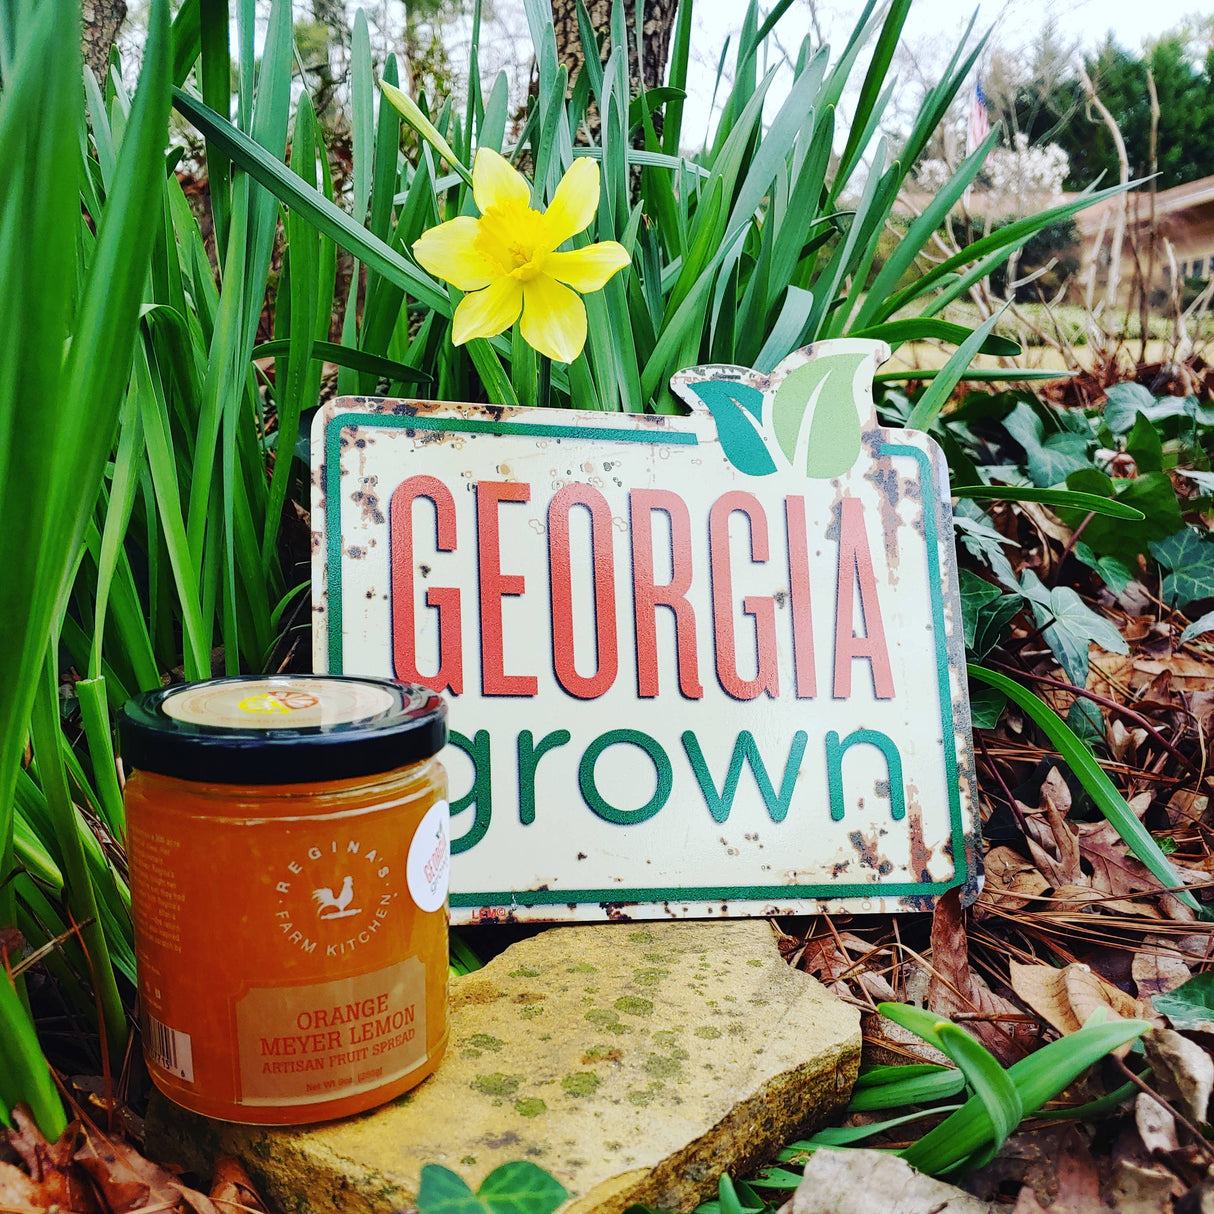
(511, 237)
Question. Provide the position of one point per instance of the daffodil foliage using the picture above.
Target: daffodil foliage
(656, 243)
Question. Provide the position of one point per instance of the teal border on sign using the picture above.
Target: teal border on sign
(616, 896)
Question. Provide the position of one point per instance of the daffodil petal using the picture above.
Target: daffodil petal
(574, 203)
(588, 269)
(448, 252)
(496, 182)
(486, 313)
(554, 319)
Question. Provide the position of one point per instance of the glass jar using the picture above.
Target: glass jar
(289, 849)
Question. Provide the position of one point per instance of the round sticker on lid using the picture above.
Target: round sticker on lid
(279, 703)
(429, 865)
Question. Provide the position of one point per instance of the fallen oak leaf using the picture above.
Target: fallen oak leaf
(1011, 881)
(955, 988)
(1065, 998)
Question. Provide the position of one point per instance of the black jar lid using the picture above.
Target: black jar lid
(282, 729)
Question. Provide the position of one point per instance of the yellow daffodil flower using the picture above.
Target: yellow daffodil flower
(507, 260)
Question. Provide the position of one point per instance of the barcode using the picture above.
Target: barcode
(169, 1049)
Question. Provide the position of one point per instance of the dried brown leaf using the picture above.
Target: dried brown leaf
(1138, 1188)
(49, 1166)
(1109, 674)
(1182, 1067)
(1156, 1126)
(1195, 675)
(1114, 870)
(825, 961)
(1055, 1169)
(1066, 997)
(1124, 743)
(1011, 881)
(1158, 967)
(1053, 844)
(232, 1190)
(954, 988)
(1187, 806)
(18, 1193)
(126, 1181)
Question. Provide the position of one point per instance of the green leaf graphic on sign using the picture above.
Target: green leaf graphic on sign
(733, 405)
(816, 417)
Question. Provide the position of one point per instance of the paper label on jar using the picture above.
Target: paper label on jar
(429, 865)
(307, 1044)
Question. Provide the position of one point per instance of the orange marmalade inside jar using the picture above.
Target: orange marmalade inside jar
(289, 848)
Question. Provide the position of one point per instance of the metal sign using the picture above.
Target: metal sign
(700, 665)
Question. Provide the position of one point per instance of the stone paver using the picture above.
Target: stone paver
(635, 1062)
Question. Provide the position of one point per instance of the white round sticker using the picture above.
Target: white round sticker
(429, 864)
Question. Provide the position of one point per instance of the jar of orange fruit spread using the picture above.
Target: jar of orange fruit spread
(289, 847)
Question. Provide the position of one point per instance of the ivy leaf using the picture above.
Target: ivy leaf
(986, 707)
(1069, 626)
(986, 612)
(1191, 562)
(1152, 493)
(1198, 627)
(1049, 460)
(976, 593)
(993, 623)
(442, 1192)
(815, 415)
(1123, 405)
(983, 541)
(520, 1188)
(514, 1188)
(1115, 572)
(737, 408)
(1085, 721)
(1143, 444)
(1190, 1006)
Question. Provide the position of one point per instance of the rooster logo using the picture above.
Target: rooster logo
(331, 906)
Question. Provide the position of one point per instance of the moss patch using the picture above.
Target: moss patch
(607, 1020)
(663, 1068)
(483, 1041)
(649, 977)
(530, 1106)
(497, 1084)
(634, 1005)
(581, 1083)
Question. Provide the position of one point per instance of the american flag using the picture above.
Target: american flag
(979, 126)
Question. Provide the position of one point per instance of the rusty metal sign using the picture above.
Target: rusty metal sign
(700, 665)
